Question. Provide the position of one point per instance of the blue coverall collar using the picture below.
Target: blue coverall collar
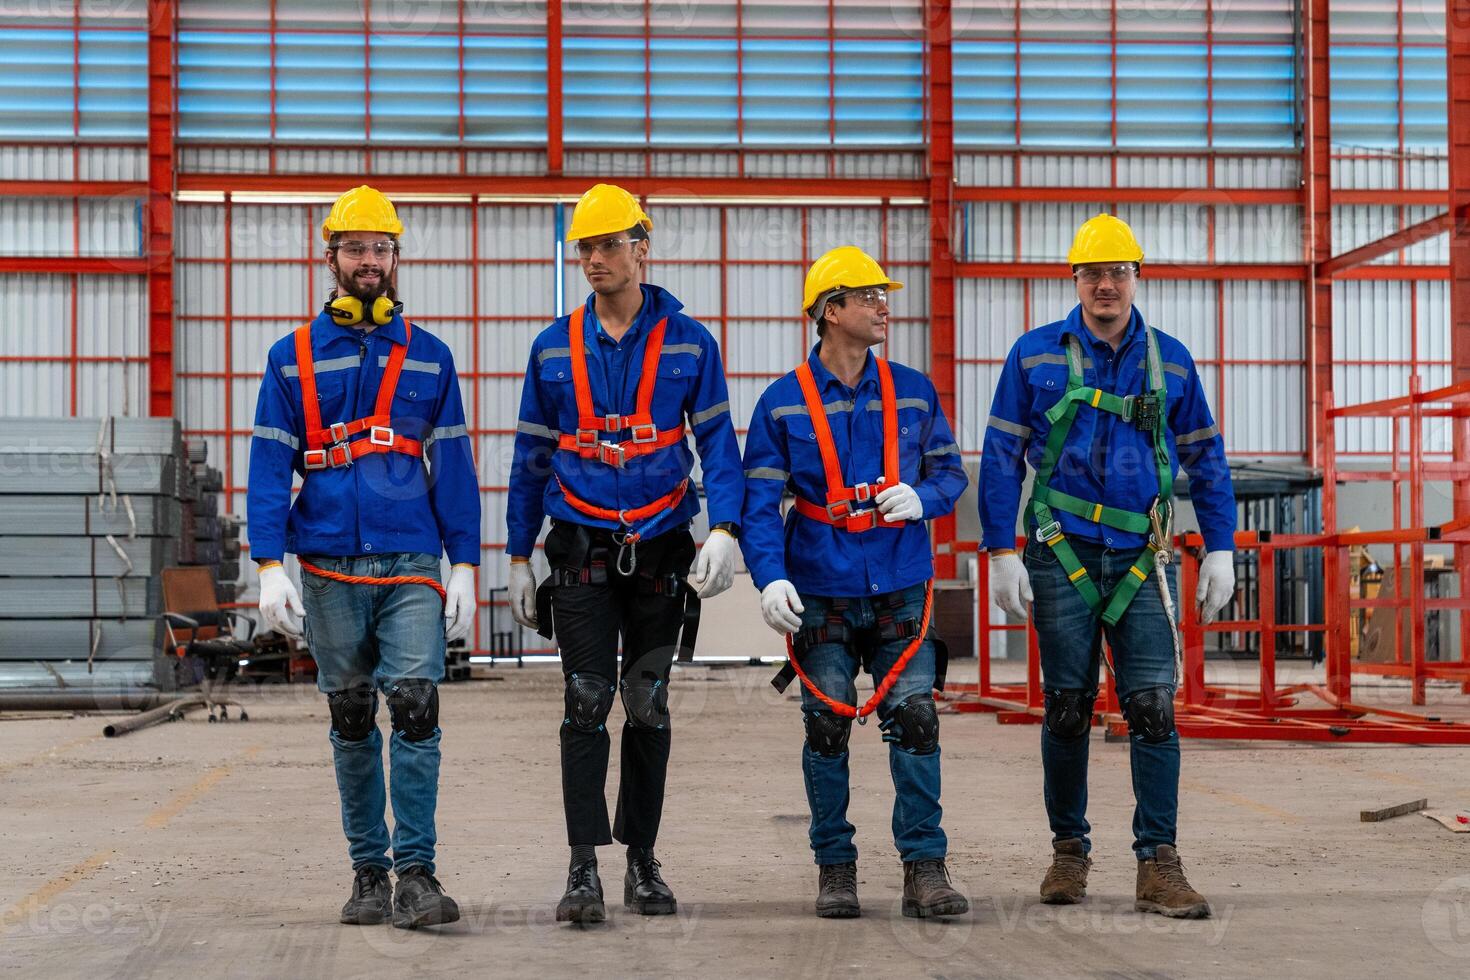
(824, 377)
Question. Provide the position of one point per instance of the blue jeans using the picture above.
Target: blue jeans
(377, 635)
(833, 668)
(1070, 636)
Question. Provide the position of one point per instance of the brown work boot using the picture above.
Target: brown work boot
(1066, 880)
(1162, 888)
(927, 891)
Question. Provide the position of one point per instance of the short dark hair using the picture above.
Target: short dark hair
(840, 299)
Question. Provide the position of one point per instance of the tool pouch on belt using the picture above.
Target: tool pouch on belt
(574, 561)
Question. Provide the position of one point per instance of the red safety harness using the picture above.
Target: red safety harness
(333, 447)
(646, 437)
(838, 510)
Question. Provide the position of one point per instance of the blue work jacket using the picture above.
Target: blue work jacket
(690, 389)
(1104, 459)
(781, 454)
(383, 503)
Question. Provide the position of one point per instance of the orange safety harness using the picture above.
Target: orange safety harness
(330, 448)
(645, 436)
(844, 710)
(838, 510)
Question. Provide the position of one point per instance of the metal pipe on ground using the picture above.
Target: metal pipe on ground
(169, 711)
(82, 699)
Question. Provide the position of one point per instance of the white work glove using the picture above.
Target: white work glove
(523, 594)
(1010, 585)
(1216, 584)
(459, 603)
(900, 503)
(280, 603)
(781, 606)
(714, 569)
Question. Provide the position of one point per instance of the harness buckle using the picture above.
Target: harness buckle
(1128, 407)
(339, 456)
(640, 438)
(315, 459)
(338, 431)
(862, 492)
(862, 520)
(1049, 531)
(586, 438)
(838, 510)
(381, 435)
(610, 453)
(612, 423)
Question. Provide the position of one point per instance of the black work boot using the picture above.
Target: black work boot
(644, 889)
(420, 900)
(583, 899)
(837, 891)
(927, 891)
(372, 898)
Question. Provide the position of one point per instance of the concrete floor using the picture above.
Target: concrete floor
(204, 850)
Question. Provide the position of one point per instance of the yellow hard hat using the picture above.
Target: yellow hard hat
(362, 209)
(845, 267)
(1104, 239)
(604, 209)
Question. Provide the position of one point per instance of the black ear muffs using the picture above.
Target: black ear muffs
(347, 310)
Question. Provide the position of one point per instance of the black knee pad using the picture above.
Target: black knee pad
(589, 699)
(413, 706)
(1150, 714)
(354, 712)
(1069, 712)
(914, 725)
(827, 733)
(646, 702)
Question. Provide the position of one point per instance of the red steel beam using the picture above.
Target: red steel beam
(73, 264)
(329, 185)
(1457, 61)
(1317, 211)
(942, 262)
(1403, 238)
(72, 188)
(1133, 195)
(159, 221)
(554, 113)
(1151, 270)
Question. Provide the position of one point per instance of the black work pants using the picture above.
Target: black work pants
(644, 610)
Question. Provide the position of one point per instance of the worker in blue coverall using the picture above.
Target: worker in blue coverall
(612, 392)
(1106, 408)
(365, 407)
(864, 446)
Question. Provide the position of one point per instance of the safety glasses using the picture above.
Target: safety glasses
(871, 297)
(1094, 274)
(356, 250)
(609, 247)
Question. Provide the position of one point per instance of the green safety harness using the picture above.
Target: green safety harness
(1147, 413)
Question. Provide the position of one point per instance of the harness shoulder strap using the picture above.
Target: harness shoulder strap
(388, 384)
(890, 423)
(652, 351)
(311, 412)
(831, 465)
(580, 385)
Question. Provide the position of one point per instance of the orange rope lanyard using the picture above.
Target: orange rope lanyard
(391, 580)
(846, 710)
